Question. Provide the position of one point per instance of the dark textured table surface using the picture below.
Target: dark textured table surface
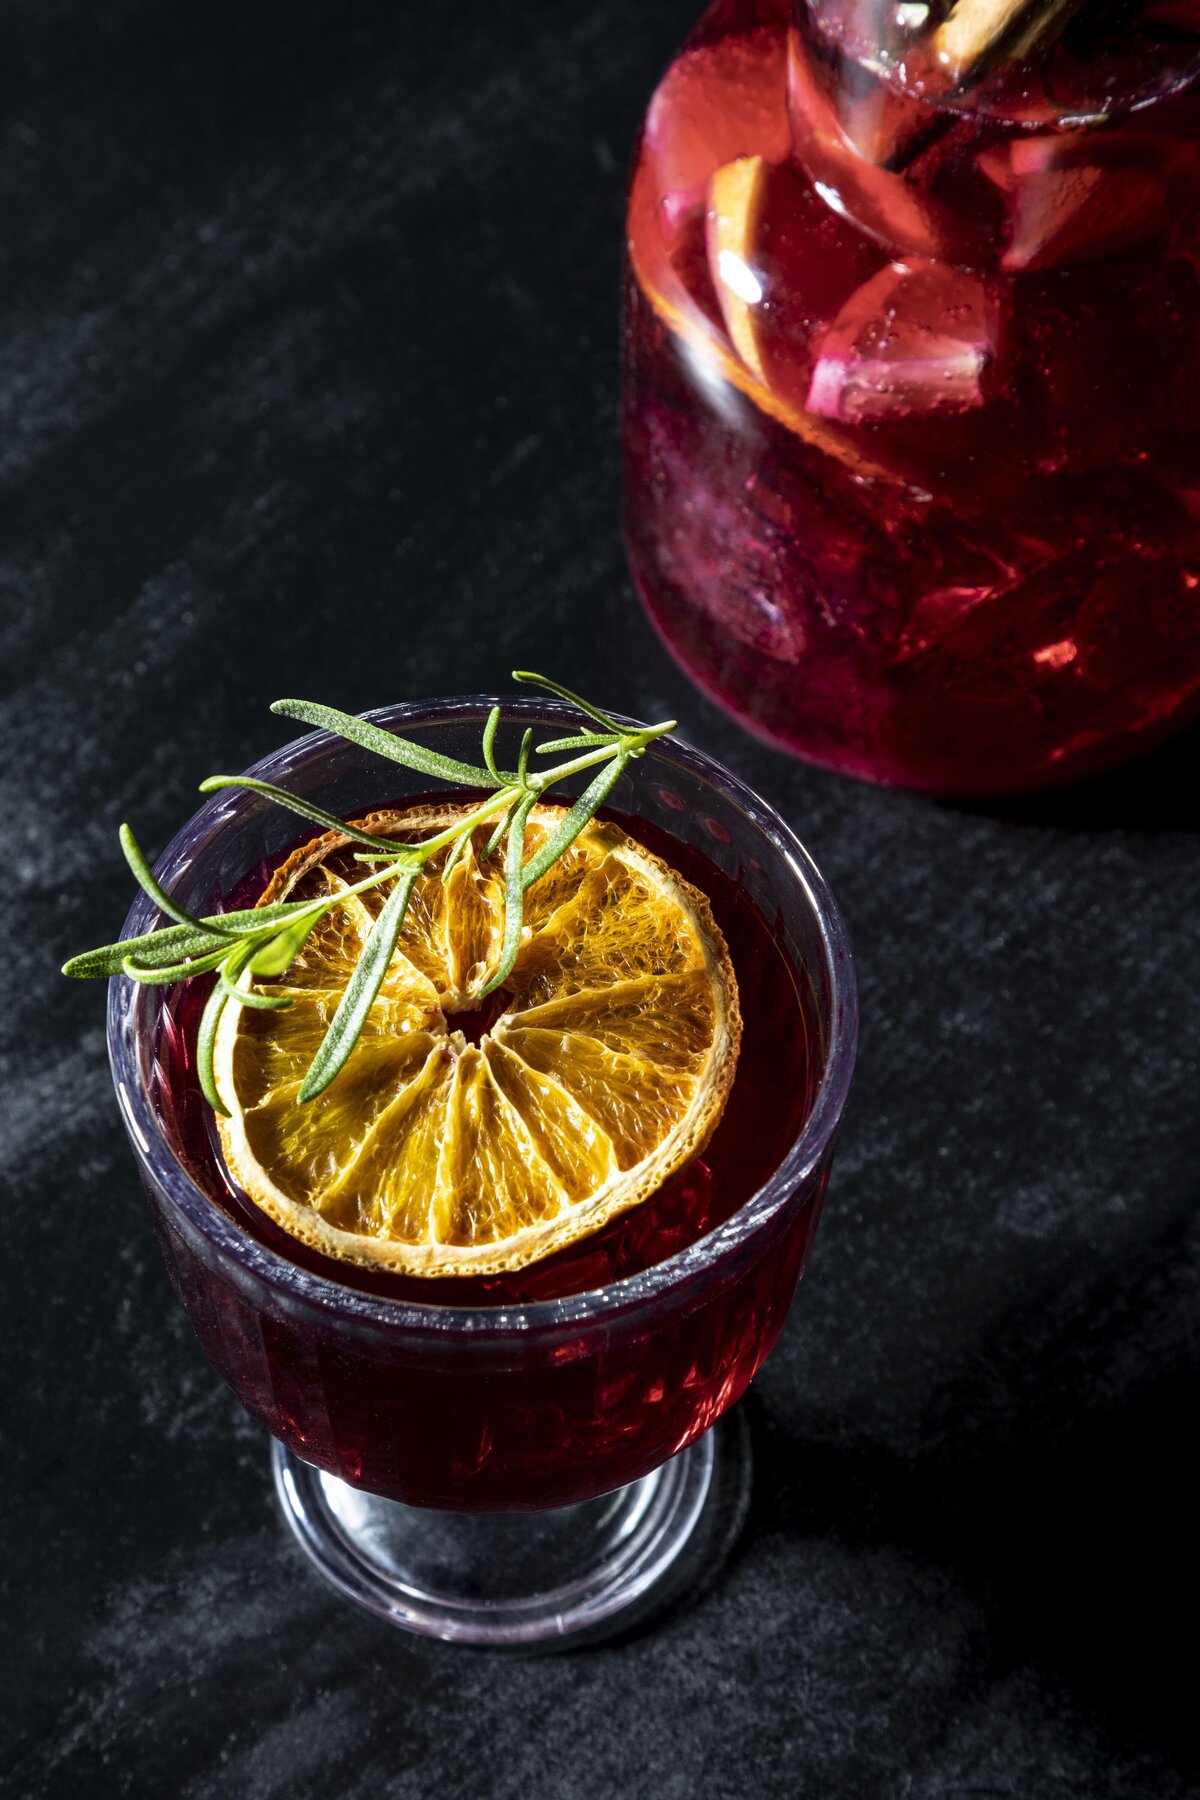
(308, 373)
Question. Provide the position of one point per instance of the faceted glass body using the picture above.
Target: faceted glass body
(586, 1372)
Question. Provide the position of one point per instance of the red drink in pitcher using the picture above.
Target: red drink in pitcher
(912, 383)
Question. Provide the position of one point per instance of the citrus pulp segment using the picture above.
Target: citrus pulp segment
(602, 1064)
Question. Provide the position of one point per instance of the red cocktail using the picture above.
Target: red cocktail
(546, 1434)
(552, 1385)
(912, 382)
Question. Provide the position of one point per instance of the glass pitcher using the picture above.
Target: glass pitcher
(912, 379)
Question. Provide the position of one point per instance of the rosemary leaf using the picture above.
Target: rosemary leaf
(502, 824)
(280, 952)
(258, 918)
(171, 944)
(254, 1000)
(514, 896)
(162, 974)
(206, 1038)
(110, 959)
(489, 743)
(567, 830)
(305, 808)
(385, 743)
(145, 879)
(553, 687)
(586, 740)
(456, 850)
(361, 989)
(232, 969)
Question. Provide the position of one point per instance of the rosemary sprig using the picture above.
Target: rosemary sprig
(265, 940)
(361, 989)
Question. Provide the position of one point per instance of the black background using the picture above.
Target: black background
(308, 346)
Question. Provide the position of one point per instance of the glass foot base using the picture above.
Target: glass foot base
(524, 1578)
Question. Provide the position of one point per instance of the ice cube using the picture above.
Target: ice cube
(1007, 641)
(936, 614)
(918, 338)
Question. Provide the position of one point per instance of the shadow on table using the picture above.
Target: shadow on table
(1156, 792)
(1054, 1486)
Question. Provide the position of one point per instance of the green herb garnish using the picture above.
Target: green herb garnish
(264, 940)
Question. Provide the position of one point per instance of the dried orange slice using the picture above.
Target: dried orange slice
(461, 1139)
(735, 201)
